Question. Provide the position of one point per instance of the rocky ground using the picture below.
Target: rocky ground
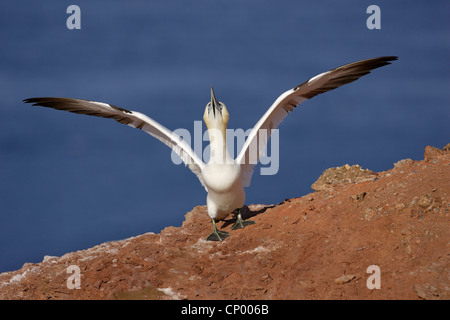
(319, 246)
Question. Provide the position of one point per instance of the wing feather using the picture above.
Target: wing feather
(131, 118)
(290, 99)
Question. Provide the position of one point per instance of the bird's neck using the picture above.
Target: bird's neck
(218, 145)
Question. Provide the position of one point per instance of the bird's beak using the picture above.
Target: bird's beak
(214, 102)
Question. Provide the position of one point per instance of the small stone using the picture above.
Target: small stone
(359, 196)
(368, 214)
(425, 200)
(48, 258)
(344, 279)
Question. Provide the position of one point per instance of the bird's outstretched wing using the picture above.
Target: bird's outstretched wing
(255, 145)
(131, 118)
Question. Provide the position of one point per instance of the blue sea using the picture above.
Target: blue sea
(69, 182)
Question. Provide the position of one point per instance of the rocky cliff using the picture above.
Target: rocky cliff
(358, 232)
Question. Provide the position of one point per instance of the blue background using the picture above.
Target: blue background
(69, 182)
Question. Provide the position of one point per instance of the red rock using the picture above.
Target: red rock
(432, 152)
(295, 250)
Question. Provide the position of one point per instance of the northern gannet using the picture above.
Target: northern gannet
(224, 178)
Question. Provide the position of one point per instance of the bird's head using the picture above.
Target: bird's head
(216, 114)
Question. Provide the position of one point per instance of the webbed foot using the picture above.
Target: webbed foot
(239, 224)
(217, 235)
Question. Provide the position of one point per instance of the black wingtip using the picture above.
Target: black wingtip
(383, 61)
(388, 59)
(34, 101)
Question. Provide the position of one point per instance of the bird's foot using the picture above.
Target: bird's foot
(217, 235)
(239, 224)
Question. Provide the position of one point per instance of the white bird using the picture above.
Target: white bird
(224, 178)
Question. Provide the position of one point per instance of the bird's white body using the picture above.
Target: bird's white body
(224, 178)
(222, 175)
(225, 190)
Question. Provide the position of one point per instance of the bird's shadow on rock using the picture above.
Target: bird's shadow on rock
(246, 213)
